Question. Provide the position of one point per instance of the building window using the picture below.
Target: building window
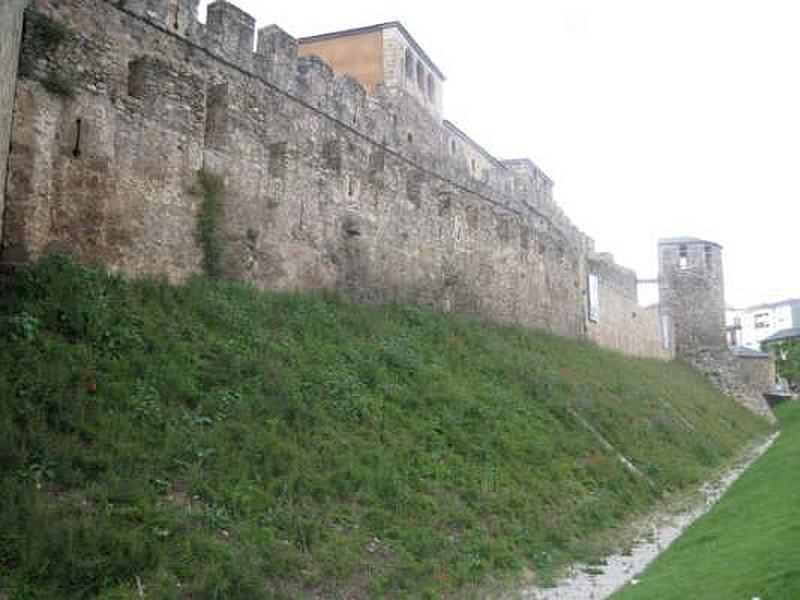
(665, 332)
(431, 88)
(453, 147)
(409, 64)
(683, 256)
(761, 320)
(707, 254)
(420, 76)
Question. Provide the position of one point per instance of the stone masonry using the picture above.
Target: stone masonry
(326, 187)
(623, 323)
(692, 294)
(11, 13)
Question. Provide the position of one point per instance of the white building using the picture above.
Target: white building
(748, 327)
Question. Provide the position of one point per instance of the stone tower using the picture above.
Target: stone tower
(693, 298)
(692, 293)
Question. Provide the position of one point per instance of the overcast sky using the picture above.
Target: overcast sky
(655, 118)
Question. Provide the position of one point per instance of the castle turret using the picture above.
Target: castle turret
(692, 293)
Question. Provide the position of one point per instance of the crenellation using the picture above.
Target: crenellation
(376, 122)
(230, 33)
(276, 57)
(314, 81)
(177, 16)
(349, 97)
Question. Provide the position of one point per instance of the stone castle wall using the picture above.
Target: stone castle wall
(122, 105)
(11, 13)
(744, 379)
(325, 186)
(623, 324)
(759, 372)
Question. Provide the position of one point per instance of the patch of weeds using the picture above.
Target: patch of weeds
(58, 85)
(42, 36)
(47, 34)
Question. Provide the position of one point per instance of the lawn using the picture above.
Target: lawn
(748, 546)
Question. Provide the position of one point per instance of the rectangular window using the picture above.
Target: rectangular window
(683, 256)
(594, 298)
(761, 320)
(665, 337)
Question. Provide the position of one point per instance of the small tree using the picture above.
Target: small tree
(787, 360)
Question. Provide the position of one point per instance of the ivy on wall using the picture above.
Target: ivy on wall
(43, 36)
(210, 188)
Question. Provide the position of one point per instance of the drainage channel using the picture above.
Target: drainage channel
(585, 582)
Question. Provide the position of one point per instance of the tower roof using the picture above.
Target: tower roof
(686, 240)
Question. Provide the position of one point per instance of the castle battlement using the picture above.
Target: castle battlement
(392, 117)
(330, 181)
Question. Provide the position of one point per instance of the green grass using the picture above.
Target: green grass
(747, 546)
(213, 441)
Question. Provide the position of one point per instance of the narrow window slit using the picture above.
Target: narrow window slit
(76, 151)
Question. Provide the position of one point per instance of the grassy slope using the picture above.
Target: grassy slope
(214, 441)
(748, 545)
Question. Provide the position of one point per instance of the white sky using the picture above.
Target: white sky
(655, 118)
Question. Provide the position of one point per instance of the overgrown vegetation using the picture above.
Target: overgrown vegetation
(212, 441)
(746, 547)
(787, 354)
(211, 190)
(57, 85)
(43, 36)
